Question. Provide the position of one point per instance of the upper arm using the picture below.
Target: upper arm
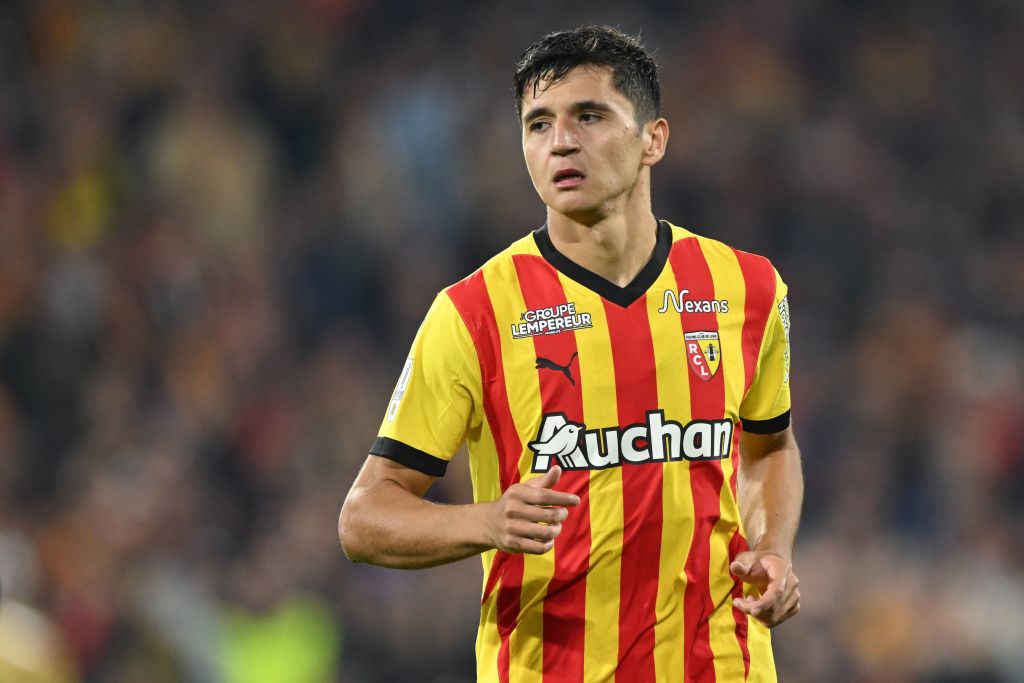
(369, 507)
(435, 402)
(765, 410)
(756, 446)
(377, 471)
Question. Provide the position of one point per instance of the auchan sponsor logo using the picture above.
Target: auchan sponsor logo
(656, 439)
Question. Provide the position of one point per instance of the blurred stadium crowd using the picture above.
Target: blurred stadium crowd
(220, 224)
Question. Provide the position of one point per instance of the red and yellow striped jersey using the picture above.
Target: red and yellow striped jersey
(640, 393)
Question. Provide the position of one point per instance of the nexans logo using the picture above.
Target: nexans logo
(575, 447)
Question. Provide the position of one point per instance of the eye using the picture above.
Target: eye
(589, 117)
(539, 126)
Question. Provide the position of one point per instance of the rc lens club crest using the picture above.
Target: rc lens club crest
(704, 353)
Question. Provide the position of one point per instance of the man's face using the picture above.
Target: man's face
(583, 148)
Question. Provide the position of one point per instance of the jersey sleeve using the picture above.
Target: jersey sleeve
(766, 407)
(433, 406)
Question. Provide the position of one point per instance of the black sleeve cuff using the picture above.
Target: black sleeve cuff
(771, 426)
(404, 454)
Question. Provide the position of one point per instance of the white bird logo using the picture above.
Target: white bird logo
(563, 441)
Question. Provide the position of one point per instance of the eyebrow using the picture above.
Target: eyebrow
(582, 105)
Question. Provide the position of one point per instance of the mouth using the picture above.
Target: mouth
(567, 178)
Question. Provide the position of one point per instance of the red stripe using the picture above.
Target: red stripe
(760, 282)
(636, 389)
(565, 601)
(509, 595)
(473, 302)
(707, 402)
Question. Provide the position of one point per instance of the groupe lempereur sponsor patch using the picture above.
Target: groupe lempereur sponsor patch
(551, 320)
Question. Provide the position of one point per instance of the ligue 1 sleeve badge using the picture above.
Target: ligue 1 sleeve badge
(704, 351)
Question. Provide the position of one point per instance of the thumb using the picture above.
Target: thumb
(743, 563)
(547, 480)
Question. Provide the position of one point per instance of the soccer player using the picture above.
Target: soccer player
(623, 386)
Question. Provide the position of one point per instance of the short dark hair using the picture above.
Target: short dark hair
(634, 72)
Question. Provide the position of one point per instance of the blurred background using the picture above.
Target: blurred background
(221, 223)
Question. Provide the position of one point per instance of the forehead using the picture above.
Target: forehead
(594, 83)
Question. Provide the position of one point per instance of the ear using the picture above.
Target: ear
(655, 141)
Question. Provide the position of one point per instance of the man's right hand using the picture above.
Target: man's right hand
(528, 516)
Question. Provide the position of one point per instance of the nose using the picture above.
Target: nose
(564, 140)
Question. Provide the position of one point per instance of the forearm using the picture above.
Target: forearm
(386, 525)
(771, 490)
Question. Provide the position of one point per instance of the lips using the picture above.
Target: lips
(568, 177)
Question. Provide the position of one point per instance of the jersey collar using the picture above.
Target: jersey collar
(621, 296)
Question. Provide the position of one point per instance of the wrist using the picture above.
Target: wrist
(481, 534)
(771, 549)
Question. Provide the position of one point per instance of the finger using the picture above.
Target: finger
(529, 546)
(782, 610)
(547, 480)
(538, 532)
(749, 566)
(754, 607)
(535, 496)
(791, 607)
(742, 566)
(744, 604)
(793, 610)
(768, 599)
(743, 561)
(537, 513)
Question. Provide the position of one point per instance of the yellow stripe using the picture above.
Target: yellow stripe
(483, 466)
(483, 469)
(600, 408)
(677, 525)
(488, 641)
(526, 643)
(728, 283)
(762, 662)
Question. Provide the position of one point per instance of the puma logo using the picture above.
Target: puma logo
(545, 364)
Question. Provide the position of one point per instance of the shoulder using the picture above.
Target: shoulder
(472, 295)
(755, 271)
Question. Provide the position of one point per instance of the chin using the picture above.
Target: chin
(577, 208)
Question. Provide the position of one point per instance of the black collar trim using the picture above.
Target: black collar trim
(621, 296)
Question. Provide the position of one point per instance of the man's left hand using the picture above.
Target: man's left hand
(772, 575)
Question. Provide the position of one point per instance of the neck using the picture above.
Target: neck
(615, 245)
